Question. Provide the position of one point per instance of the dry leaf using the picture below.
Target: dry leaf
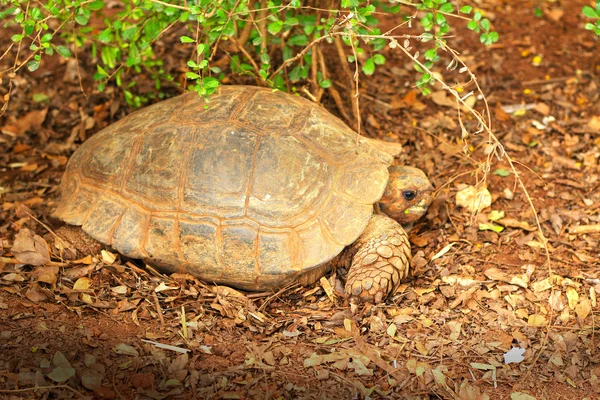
(583, 309)
(30, 249)
(47, 275)
(82, 284)
(108, 257)
(443, 251)
(536, 320)
(474, 199)
(594, 123)
(572, 297)
(441, 98)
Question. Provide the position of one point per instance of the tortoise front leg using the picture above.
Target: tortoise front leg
(381, 261)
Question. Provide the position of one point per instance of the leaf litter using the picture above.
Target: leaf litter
(481, 296)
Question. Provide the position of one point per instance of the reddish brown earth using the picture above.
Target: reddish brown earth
(442, 335)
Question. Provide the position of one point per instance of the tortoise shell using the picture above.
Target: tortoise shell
(250, 189)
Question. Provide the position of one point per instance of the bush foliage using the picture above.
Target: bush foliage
(275, 41)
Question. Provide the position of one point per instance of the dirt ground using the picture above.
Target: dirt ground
(481, 286)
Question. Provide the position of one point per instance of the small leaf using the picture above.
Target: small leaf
(369, 67)
(187, 39)
(33, 65)
(325, 83)
(491, 227)
(589, 12)
(472, 25)
(447, 8)
(275, 27)
(17, 38)
(465, 9)
(501, 172)
(495, 215)
(63, 51)
(81, 19)
(485, 24)
(536, 320)
(379, 59)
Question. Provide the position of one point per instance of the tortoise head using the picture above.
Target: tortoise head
(407, 196)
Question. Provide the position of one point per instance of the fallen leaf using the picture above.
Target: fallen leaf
(443, 251)
(572, 297)
(82, 284)
(594, 123)
(495, 215)
(61, 374)
(108, 257)
(35, 294)
(31, 120)
(521, 396)
(441, 98)
(123, 348)
(30, 249)
(513, 223)
(514, 355)
(90, 379)
(491, 227)
(536, 320)
(474, 199)
(47, 275)
(583, 309)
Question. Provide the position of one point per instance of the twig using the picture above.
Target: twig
(158, 309)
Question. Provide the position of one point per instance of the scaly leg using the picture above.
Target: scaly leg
(381, 260)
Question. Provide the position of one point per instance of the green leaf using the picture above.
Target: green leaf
(298, 40)
(17, 38)
(265, 59)
(465, 9)
(96, 5)
(81, 19)
(210, 82)
(430, 54)
(589, 12)
(105, 36)
(379, 59)
(590, 27)
(275, 27)
(200, 48)
(501, 172)
(46, 37)
(186, 39)
(477, 16)
(192, 75)
(63, 51)
(325, 83)
(485, 24)
(40, 98)
(495, 215)
(33, 65)
(369, 67)
(447, 8)
(101, 71)
(192, 64)
(36, 14)
(491, 227)
(472, 25)
(291, 21)
(350, 3)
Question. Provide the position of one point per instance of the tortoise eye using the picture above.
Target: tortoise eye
(409, 194)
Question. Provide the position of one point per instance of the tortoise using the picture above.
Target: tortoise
(254, 189)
